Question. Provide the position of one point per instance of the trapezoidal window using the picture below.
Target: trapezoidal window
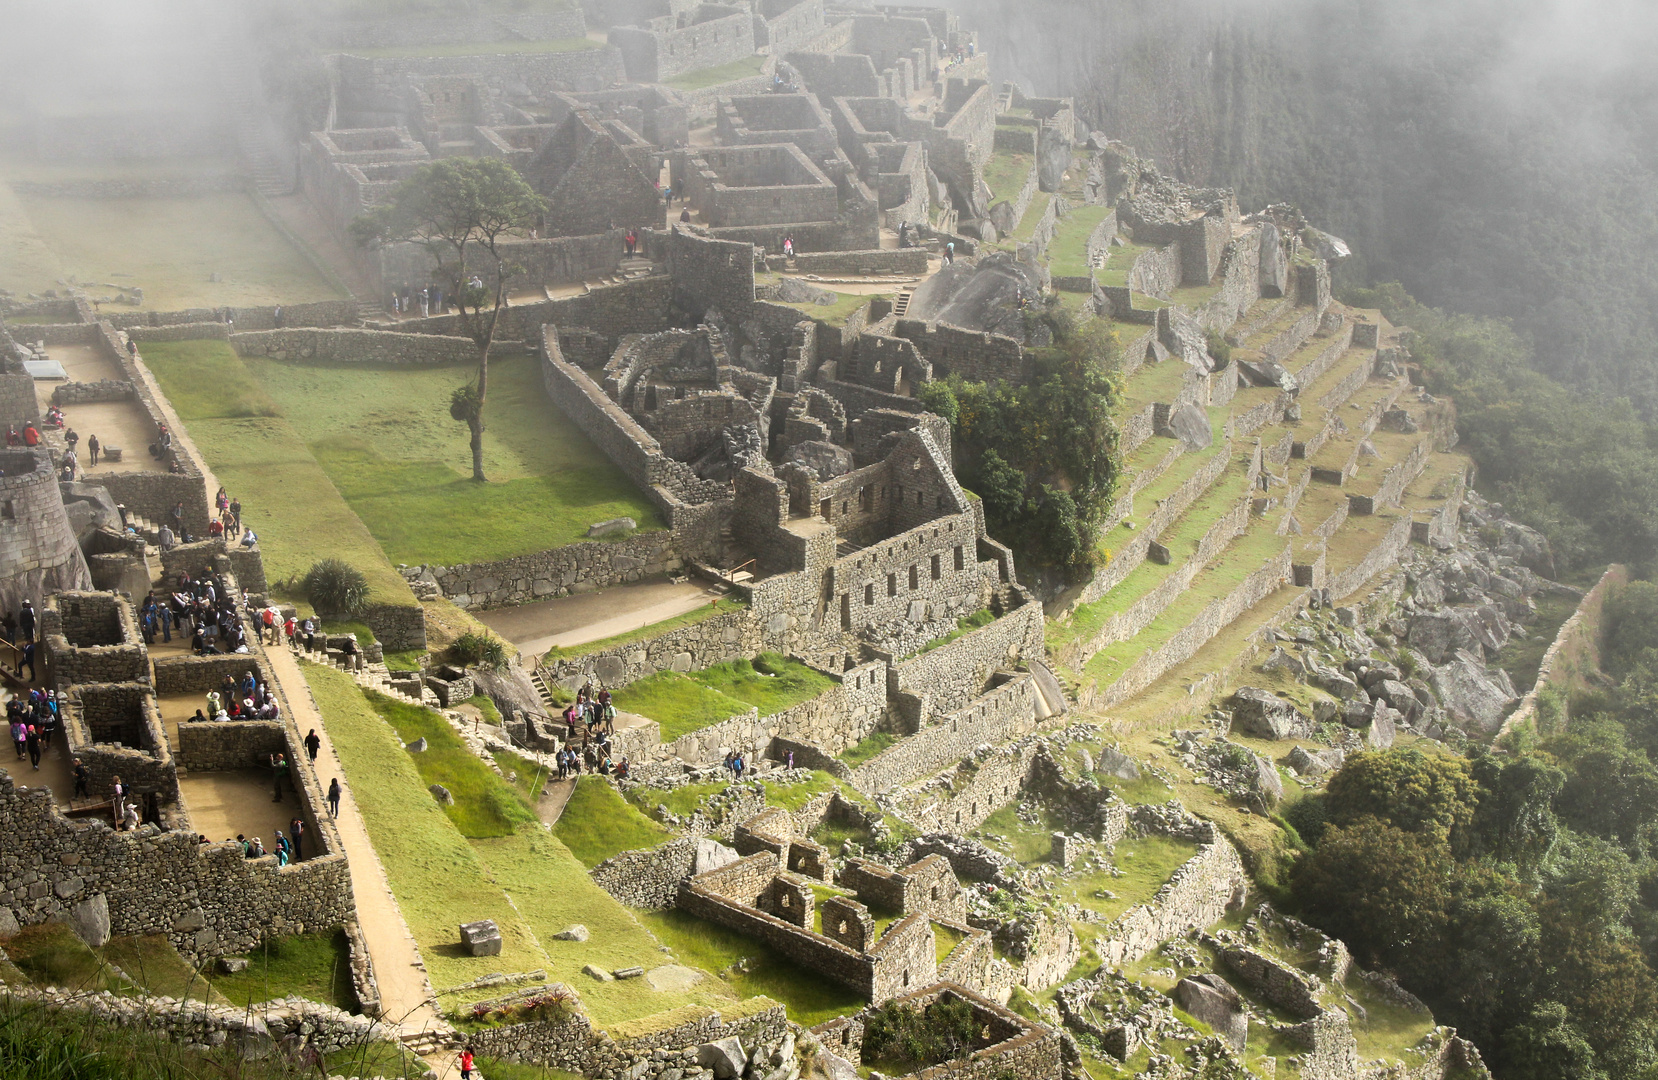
(938, 567)
(8, 512)
(892, 584)
(915, 578)
(961, 558)
(869, 594)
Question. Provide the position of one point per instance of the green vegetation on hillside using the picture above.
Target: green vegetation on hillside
(772, 682)
(677, 702)
(747, 67)
(484, 805)
(597, 823)
(1043, 456)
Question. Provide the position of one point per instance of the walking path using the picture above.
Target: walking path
(405, 991)
(583, 617)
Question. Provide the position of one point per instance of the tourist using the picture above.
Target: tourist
(49, 724)
(788, 247)
(296, 829)
(26, 619)
(31, 436)
(236, 513)
(622, 769)
(950, 253)
(628, 242)
(164, 619)
(83, 789)
(334, 797)
(279, 767)
(28, 661)
(33, 740)
(425, 300)
(118, 798)
(70, 439)
(249, 540)
(312, 745)
(791, 759)
(258, 851)
(20, 735)
(129, 818)
(466, 1063)
(281, 849)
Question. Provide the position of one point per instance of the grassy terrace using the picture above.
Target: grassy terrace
(482, 48)
(1262, 337)
(1181, 539)
(1179, 471)
(261, 458)
(1154, 382)
(1026, 229)
(645, 633)
(870, 746)
(747, 67)
(528, 882)
(1068, 254)
(1006, 172)
(598, 823)
(1121, 261)
(837, 313)
(682, 704)
(1246, 555)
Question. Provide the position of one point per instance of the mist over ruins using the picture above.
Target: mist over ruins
(673, 540)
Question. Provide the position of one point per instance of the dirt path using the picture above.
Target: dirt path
(404, 987)
(583, 617)
(555, 796)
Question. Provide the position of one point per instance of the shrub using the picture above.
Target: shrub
(1219, 347)
(900, 1034)
(336, 588)
(479, 650)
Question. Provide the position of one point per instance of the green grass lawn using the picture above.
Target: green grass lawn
(868, 747)
(158, 969)
(699, 80)
(1006, 172)
(598, 823)
(528, 882)
(808, 996)
(51, 955)
(286, 496)
(1028, 844)
(645, 633)
(965, 624)
(946, 938)
(484, 804)
(315, 966)
(794, 797)
(677, 702)
(386, 440)
(834, 314)
(682, 800)
(1068, 253)
(482, 48)
(1146, 861)
(772, 682)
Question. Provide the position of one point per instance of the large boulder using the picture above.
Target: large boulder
(1275, 265)
(1183, 336)
(1315, 762)
(794, 291)
(1212, 999)
(1335, 682)
(1266, 781)
(1116, 763)
(711, 855)
(1527, 546)
(1398, 697)
(1470, 694)
(1383, 727)
(824, 459)
(1267, 373)
(481, 938)
(724, 1056)
(1264, 715)
(90, 920)
(1439, 634)
(1190, 424)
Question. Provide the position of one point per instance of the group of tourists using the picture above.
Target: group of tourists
(201, 606)
(428, 300)
(590, 721)
(239, 699)
(33, 720)
(289, 846)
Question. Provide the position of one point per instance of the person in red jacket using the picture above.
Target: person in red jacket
(31, 437)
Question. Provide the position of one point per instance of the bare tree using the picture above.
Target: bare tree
(460, 210)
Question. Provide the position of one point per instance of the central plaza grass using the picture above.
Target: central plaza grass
(484, 804)
(172, 248)
(315, 966)
(528, 882)
(772, 682)
(286, 497)
(385, 438)
(677, 702)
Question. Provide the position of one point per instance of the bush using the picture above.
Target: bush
(899, 1034)
(336, 588)
(479, 650)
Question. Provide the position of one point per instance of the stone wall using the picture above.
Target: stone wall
(199, 674)
(219, 745)
(1005, 711)
(1198, 894)
(646, 879)
(1215, 617)
(371, 90)
(575, 568)
(90, 393)
(264, 317)
(184, 331)
(38, 552)
(1575, 652)
(654, 55)
(894, 261)
(699, 645)
(976, 356)
(355, 346)
(955, 673)
(207, 898)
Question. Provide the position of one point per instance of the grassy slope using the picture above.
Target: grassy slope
(286, 497)
(484, 804)
(678, 703)
(529, 882)
(772, 683)
(714, 76)
(386, 440)
(598, 823)
(1068, 254)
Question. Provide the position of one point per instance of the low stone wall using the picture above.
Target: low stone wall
(879, 261)
(1386, 551)
(208, 899)
(1003, 712)
(661, 1047)
(267, 317)
(955, 673)
(743, 733)
(647, 879)
(75, 393)
(219, 745)
(1575, 651)
(191, 331)
(356, 346)
(839, 717)
(199, 674)
(690, 648)
(1199, 893)
(575, 568)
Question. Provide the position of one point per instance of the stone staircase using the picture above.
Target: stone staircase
(240, 94)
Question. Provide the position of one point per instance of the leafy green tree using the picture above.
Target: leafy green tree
(1548, 1046)
(1404, 788)
(1514, 820)
(335, 587)
(1631, 620)
(1611, 789)
(1001, 486)
(462, 210)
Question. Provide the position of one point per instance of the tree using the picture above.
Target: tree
(1404, 788)
(1515, 819)
(1548, 1046)
(461, 210)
